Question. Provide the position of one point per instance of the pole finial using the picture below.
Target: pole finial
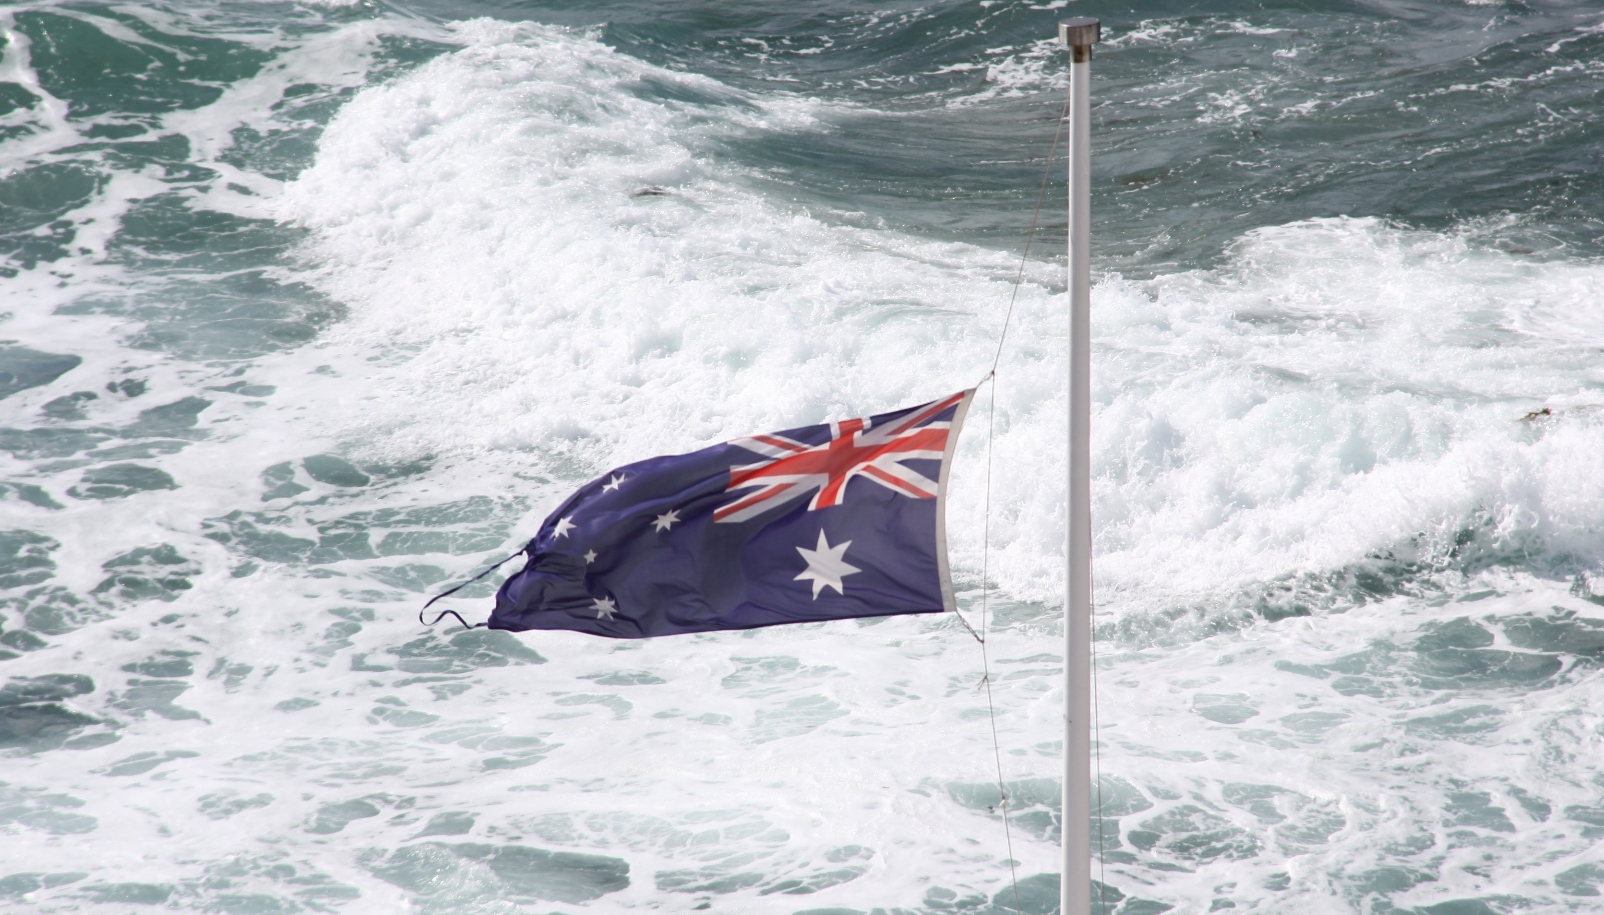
(1080, 33)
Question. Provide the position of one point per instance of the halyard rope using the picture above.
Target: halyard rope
(985, 552)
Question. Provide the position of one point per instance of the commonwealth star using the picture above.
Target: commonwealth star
(826, 568)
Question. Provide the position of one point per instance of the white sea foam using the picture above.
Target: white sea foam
(1334, 391)
(1338, 387)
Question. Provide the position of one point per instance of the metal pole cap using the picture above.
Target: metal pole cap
(1080, 33)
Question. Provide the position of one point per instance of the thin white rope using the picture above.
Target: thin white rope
(985, 552)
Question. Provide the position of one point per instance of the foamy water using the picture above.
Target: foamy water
(341, 305)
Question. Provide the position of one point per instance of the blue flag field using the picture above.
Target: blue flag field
(836, 521)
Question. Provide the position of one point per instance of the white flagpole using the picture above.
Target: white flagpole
(1075, 826)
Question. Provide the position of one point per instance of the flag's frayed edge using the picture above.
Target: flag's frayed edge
(949, 601)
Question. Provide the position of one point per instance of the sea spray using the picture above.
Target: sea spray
(359, 296)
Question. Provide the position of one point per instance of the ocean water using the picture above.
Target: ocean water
(312, 309)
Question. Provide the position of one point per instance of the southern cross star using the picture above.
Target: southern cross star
(825, 566)
(590, 557)
(564, 525)
(604, 607)
(614, 483)
(666, 520)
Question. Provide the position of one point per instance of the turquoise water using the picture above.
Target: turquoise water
(311, 309)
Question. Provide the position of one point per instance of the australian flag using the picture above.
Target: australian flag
(830, 522)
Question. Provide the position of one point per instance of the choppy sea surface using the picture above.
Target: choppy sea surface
(311, 309)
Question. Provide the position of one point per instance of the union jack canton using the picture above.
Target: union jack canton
(837, 521)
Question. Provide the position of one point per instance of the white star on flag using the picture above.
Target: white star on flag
(604, 607)
(590, 557)
(825, 566)
(666, 521)
(614, 483)
(564, 525)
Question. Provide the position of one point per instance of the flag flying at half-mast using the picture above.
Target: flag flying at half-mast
(837, 521)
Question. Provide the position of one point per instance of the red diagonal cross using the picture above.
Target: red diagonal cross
(853, 450)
